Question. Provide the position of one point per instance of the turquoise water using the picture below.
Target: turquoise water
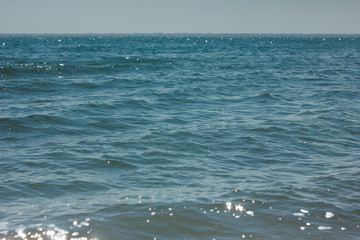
(179, 137)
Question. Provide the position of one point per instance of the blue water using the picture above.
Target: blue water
(180, 137)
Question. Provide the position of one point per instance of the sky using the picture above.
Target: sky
(180, 16)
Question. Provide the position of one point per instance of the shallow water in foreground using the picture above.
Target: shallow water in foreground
(179, 137)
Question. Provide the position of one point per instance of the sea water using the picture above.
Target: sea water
(180, 137)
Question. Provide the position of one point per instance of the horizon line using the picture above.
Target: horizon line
(174, 33)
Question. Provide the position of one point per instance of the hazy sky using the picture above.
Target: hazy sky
(180, 16)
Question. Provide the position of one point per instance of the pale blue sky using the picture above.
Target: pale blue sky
(180, 16)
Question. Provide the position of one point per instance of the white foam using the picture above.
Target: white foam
(329, 214)
(81, 238)
(321, 228)
(251, 213)
(297, 214)
(228, 205)
(304, 211)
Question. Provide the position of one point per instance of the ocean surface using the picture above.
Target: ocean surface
(179, 137)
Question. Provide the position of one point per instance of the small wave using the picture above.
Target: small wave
(14, 125)
(56, 188)
(263, 97)
(86, 85)
(75, 230)
(106, 65)
(109, 124)
(116, 162)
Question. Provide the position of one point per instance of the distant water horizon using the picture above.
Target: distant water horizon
(179, 136)
(182, 34)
